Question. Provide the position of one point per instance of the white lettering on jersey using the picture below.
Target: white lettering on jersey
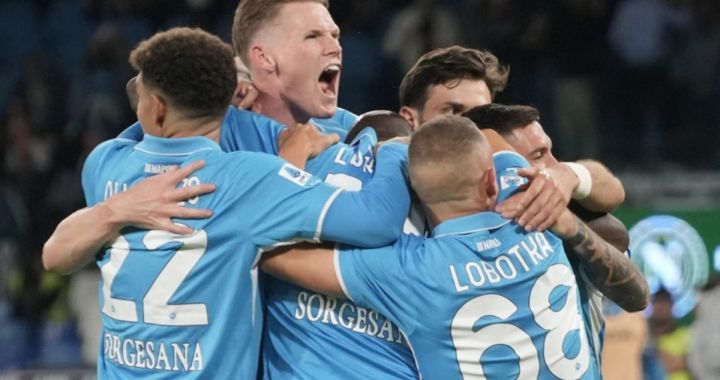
(154, 355)
(358, 160)
(506, 266)
(329, 310)
(158, 168)
(113, 187)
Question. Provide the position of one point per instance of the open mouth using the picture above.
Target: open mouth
(328, 79)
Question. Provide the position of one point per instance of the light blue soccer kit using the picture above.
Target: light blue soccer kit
(481, 298)
(341, 123)
(189, 306)
(310, 335)
(363, 343)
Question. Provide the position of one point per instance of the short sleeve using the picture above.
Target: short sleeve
(283, 202)
(91, 171)
(380, 278)
(506, 165)
(361, 273)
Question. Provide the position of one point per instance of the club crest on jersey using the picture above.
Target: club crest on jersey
(297, 176)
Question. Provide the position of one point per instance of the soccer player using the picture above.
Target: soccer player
(177, 305)
(481, 297)
(295, 63)
(455, 79)
(619, 280)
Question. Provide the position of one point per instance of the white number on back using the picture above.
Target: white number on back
(470, 345)
(156, 309)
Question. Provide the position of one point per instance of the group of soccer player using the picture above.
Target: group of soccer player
(481, 270)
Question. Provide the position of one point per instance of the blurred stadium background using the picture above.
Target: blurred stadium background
(633, 83)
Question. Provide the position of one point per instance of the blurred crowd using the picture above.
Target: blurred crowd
(634, 83)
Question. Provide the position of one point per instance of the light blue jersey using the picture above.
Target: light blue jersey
(303, 328)
(480, 298)
(341, 123)
(189, 306)
(241, 130)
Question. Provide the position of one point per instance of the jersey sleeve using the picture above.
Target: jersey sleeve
(506, 165)
(376, 214)
(377, 278)
(91, 171)
(282, 202)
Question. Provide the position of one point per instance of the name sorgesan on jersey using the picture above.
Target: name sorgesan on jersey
(530, 252)
(329, 310)
(153, 355)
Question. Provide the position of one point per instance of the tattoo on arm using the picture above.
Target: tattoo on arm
(609, 269)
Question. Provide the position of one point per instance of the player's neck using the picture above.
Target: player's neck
(208, 127)
(441, 212)
(278, 110)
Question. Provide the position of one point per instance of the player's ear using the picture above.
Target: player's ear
(411, 115)
(260, 58)
(490, 185)
(159, 110)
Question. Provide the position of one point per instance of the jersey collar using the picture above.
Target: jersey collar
(182, 146)
(480, 222)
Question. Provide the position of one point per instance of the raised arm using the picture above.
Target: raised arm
(149, 204)
(610, 270)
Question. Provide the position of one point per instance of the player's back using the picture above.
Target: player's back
(304, 327)
(509, 303)
(189, 306)
(481, 299)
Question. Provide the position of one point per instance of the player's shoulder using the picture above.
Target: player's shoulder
(342, 120)
(239, 116)
(258, 164)
(110, 147)
(410, 244)
(345, 117)
(104, 154)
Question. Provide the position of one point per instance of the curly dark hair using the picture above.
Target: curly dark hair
(192, 68)
(447, 65)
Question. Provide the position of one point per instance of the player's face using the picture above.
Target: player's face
(454, 98)
(534, 144)
(307, 52)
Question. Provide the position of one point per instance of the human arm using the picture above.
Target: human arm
(150, 204)
(310, 266)
(607, 268)
(552, 188)
(590, 183)
(298, 143)
(375, 215)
